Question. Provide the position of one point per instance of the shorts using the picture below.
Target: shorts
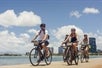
(46, 43)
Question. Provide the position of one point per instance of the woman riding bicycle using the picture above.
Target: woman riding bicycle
(73, 37)
(85, 43)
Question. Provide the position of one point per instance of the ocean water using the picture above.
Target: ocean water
(14, 60)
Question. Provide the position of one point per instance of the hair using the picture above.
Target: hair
(73, 34)
(85, 38)
(44, 25)
(66, 37)
(73, 29)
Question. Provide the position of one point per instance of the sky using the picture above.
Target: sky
(20, 20)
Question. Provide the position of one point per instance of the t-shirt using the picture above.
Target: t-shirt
(84, 43)
(42, 34)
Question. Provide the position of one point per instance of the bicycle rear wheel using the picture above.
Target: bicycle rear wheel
(48, 59)
(64, 55)
(34, 57)
(82, 57)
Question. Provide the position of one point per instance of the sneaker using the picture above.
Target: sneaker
(39, 61)
(42, 58)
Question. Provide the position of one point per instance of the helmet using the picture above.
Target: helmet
(42, 25)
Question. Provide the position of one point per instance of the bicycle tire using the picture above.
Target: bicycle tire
(30, 58)
(76, 60)
(69, 57)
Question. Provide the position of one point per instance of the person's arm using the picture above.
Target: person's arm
(65, 40)
(36, 36)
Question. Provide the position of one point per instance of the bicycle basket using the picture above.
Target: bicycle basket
(36, 43)
(69, 44)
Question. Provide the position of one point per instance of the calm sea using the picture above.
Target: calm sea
(14, 60)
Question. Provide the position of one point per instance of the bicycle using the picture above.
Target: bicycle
(83, 55)
(70, 55)
(37, 54)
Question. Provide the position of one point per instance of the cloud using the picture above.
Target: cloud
(75, 14)
(32, 31)
(87, 10)
(9, 42)
(25, 18)
(60, 33)
(91, 11)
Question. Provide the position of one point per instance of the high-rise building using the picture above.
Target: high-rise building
(92, 43)
(60, 50)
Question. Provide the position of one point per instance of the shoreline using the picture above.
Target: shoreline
(93, 63)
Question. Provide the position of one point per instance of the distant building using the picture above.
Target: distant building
(60, 50)
(27, 53)
(92, 43)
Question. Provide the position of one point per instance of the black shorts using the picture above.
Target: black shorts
(46, 43)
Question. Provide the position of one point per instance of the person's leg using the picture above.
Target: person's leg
(74, 47)
(44, 45)
(86, 50)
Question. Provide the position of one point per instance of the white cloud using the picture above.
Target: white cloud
(25, 18)
(75, 14)
(91, 10)
(32, 31)
(24, 35)
(62, 31)
(9, 42)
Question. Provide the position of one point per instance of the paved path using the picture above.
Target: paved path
(93, 63)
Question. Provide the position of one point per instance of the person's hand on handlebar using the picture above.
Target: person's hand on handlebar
(62, 44)
(32, 41)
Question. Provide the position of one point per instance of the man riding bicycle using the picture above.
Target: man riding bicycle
(43, 38)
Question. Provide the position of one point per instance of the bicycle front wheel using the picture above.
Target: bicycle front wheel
(34, 57)
(69, 57)
(76, 58)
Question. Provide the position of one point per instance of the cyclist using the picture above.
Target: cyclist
(66, 41)
(73, 39)
(43, 37)
(85, 43)
(65, 46)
